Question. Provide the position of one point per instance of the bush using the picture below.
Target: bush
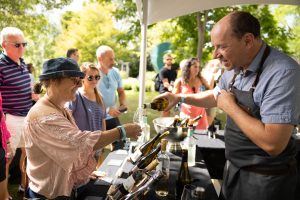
(127, 86)
(123, 75)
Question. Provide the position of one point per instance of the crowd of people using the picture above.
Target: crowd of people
(62, 133)
(65, 130)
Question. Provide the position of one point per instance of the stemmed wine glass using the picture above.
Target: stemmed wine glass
(138, 118)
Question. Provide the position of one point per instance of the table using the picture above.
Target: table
(199, 174)
(213, 152)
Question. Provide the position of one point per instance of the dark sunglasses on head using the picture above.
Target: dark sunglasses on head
(18, 45)
(91, 78)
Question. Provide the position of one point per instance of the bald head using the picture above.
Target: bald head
(106, 58)
(241, 23)
(236, 39)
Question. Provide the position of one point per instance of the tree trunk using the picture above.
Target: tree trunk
(201, 33)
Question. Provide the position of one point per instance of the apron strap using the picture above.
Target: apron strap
(259, 71)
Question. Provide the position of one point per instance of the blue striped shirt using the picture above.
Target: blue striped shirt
(15, 86)
(278, 90)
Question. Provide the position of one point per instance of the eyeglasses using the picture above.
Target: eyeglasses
(76, 80)
(91, 78)
(18, 45)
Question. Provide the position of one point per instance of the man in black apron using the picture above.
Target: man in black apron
(260, 93)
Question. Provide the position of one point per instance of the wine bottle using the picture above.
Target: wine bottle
(144, 188)
(163, 135)
(146, 148)
(145, 161)
(115, 192)
(194, 121)
(190, 144)
(159, 104)
(162, 188)
(184, 122)
(176, 121)
(184, 176)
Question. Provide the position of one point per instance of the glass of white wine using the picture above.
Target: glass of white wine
(138, 119)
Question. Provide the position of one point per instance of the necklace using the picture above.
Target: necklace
(64, 112)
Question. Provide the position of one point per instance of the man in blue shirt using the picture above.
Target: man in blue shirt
(260, 93)
(110, 83)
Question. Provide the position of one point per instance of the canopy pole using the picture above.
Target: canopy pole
(143, 57)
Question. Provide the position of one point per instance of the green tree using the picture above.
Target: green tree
(29, 17)
(187, 35)
(89, 28)
(289, 18)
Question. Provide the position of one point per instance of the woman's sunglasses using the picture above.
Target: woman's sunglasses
(18, 45)
(91, 78)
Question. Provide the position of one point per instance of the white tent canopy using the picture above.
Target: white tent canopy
(152, 11)
(159, 10)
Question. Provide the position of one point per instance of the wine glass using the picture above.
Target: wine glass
(138, 119)
(188, 191)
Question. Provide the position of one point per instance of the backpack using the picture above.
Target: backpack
(157, 82)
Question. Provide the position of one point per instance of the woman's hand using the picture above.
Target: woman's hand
(133, 130)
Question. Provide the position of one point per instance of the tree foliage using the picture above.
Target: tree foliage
(29, 17)
(91, 27)
(182, 31)
(289, 17)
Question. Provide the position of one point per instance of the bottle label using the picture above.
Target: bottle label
(136, 155)
(128, 183)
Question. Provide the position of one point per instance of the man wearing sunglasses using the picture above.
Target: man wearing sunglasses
(15, 89)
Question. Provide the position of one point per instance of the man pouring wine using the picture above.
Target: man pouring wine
(259, 92)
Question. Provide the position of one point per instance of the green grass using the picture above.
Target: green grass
(132, 99)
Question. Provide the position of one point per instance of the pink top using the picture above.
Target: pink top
(5, 133)
(60, 157)
(193, 111)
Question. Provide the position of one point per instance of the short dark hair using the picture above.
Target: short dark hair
(243, 22)
(71, 51)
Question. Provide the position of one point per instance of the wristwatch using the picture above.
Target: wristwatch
(122, 133)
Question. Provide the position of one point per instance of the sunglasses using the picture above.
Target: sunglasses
(18, 45)
(91, 78)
